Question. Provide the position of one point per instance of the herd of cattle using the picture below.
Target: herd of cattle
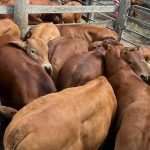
(69, 87)
(40, 18)
(60, 18)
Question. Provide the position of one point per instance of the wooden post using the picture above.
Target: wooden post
(21, 10)
(123, 12)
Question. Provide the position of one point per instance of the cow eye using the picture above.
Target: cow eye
(131, 63)
(125, 53)
(33, 51)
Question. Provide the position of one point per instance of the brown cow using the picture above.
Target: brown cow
(132, 53)
(95, 45)
(41, 2)
(6, 114)
(98, 45)
(135, 2)
(136, 65)
(76, 118)
(36, 47)
(35, 18)
(39, 18)
(55, 18)
(62, 49)
(133, 98)
(90, 33)
(71, 17)
(7, 26)
(80, 69)
(21, 79)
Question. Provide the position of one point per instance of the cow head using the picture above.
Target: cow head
(123, 57)
(37, 50)
(55, 18)
(134, 57)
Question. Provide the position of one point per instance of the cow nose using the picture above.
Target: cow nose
(144, 77)
(48, 68)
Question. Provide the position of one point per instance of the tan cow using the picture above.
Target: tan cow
(90, 33)
(36, 46)
(7, 26)
(75, 118)
(72, 17)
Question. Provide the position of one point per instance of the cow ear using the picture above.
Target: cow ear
(124, 52)
(140, 49)
(107, 47)
(20, 44)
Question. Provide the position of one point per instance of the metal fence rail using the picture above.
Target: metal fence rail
(22, 9)
(124, 18)
(139, 22)
(144, 13)
(101, 7)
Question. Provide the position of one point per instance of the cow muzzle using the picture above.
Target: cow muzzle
(145, 77)
(48, 68)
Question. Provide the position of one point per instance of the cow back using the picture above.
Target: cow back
(62, 49)
(80, 69)
(87, 32)
(69, 116)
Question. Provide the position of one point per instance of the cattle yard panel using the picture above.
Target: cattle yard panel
(22, 9)
(140, 22)
(104, 8)
(121, 24)
(123, 12)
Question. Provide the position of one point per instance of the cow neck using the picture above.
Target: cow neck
(127, 87)
(113, 68)
(120, 70)
(6, 39)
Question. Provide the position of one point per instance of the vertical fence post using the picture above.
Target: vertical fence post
(92, 14)
(89, 14)
(21, 10)
(123, 12)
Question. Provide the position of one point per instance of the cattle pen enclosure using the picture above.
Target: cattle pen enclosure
(91, 7)
(43, 58)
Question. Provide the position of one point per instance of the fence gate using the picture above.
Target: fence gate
(105, 8)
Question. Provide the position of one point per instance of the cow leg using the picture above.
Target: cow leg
(6, 114)
(34, 20)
